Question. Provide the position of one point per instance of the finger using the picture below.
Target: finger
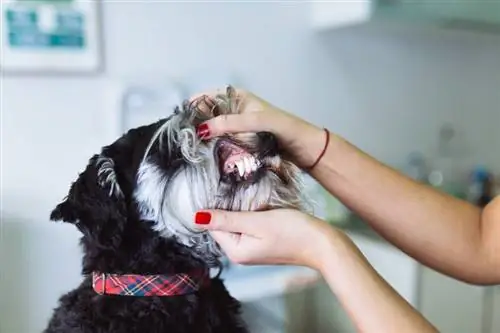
(203, 103)
(238, 248)
(234, 123)
(207, 102)
(210, 94)
(235, 222)
(216, 92)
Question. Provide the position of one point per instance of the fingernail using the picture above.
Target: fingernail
(202, 131)
(202, 218)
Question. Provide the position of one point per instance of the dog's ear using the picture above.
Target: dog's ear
(94, 198)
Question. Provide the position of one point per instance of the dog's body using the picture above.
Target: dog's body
(134, 205)
(210, 310)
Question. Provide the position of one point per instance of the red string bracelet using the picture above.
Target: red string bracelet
(327, 132)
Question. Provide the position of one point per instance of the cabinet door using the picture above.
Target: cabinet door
(329, 315)
(472, 11)
(450, 305)
(495, 324)
(395, 267)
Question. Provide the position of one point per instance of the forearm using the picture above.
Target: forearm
(370, 302)
(437, 229)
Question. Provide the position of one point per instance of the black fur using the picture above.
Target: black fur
(116, 240)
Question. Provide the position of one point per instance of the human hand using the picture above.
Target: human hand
(300, 139)
(279, 236)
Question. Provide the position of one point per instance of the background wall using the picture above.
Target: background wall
(389, 95)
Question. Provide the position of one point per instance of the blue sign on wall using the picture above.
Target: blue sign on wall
(25, 31)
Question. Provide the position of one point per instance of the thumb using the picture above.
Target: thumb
(227, 240)
(234, 222)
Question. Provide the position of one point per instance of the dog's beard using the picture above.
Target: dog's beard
(172, 201)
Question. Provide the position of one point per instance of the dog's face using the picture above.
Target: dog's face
(163, 173)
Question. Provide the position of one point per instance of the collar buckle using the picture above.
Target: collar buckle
(99, 278)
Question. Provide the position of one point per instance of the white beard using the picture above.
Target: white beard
(171, 201)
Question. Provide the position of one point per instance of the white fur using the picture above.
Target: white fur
(106, 175)
(177, 136)
(172, 203)
(172, 207)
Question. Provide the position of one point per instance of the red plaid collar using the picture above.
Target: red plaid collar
(149, 285)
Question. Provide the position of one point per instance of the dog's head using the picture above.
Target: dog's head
(161, 174)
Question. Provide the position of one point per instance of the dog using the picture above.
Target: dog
(146, 266)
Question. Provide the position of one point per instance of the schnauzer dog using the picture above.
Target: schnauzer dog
(146, 265)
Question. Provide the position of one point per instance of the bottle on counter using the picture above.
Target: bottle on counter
(482, 187)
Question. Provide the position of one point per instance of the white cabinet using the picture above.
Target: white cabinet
(398, 269)
(274, 298)
(495, 311)
(394, 266)
(452, 306)
(472, 15)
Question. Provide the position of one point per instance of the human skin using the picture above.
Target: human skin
(445, 233)
(260, 238)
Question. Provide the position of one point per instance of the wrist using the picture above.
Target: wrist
(314, 140)
(335, 246)
(306, 142)
(325, 241)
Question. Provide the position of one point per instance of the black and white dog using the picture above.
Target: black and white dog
(146, 264)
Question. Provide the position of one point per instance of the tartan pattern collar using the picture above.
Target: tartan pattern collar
(149, 285)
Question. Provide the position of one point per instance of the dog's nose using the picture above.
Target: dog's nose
(268, 144)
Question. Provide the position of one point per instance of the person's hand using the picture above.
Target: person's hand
(300, 139)
(279, 236)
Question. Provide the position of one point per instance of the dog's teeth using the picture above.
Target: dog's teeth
(241, 167)
(245, 166)
(254, 164)
(248, 164)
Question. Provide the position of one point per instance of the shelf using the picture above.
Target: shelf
(474, 16)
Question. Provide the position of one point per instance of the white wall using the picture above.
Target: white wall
(406, 86)
(386, 94)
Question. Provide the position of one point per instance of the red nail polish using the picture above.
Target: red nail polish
(202, 218)
(202, 131)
